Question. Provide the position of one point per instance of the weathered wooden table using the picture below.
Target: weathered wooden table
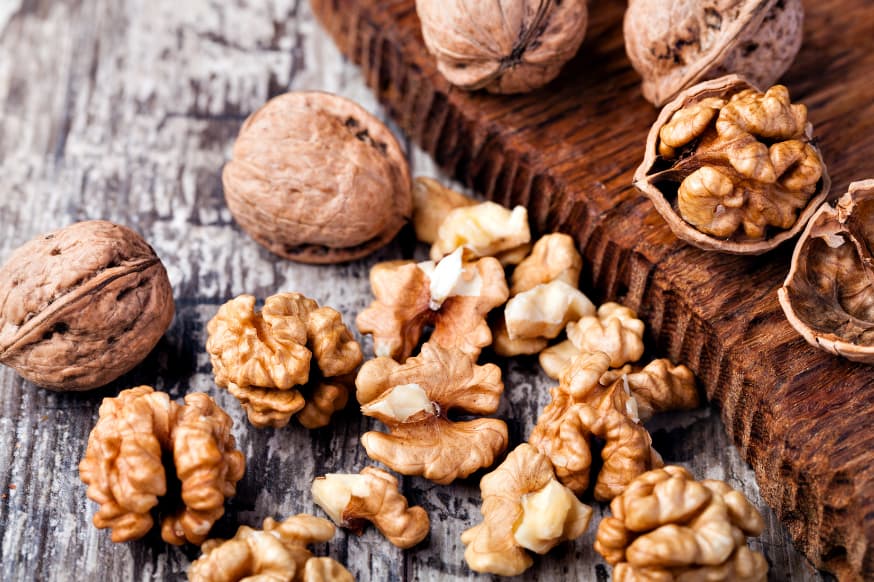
(126, 110)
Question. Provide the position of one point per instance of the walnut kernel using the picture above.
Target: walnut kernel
(432, 203)
(484, 230)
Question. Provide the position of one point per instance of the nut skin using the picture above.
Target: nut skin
(82, 305)
(674, 45)
(828, 295)
(508, 46)
(429, 443)
(667, 526)
(384, 505)
(278, 553)
(317, 179)
(123, 464)
(290, 357)
(773, 191)
(491, 546)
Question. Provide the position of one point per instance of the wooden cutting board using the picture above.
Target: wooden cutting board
(803, 419)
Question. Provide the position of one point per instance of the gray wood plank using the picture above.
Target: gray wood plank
(126, 110)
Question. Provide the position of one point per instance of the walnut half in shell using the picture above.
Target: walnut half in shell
(828, 295)
(733, 169)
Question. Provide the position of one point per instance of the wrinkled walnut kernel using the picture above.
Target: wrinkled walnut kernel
(484, 230)
(414, 400)
(432, 203)
(124, 464)
(290, 357)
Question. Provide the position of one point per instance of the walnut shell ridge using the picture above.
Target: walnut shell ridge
(675, 44)
(315, 178)
(82, 305)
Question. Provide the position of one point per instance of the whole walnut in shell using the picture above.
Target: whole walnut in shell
(506, 46)
(674, 45)
(828, 295)
(316, 178)
(733, 169)
(82, 305)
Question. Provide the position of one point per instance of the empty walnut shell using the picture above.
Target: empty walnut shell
(674, 45)
(758, 145)
(828, 295)
(508, 46)
(82, 305)
(315, 178)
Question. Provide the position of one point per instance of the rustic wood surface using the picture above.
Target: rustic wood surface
(126, 110)
(802, 418)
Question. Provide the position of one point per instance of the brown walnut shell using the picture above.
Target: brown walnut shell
(674, 45)
(506, 46)
(663, 192)
(315, 178)
(82, 305)
(828, 295)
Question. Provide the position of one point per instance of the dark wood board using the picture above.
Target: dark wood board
(802, 418)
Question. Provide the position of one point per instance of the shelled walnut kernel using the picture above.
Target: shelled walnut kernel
(264, 358)
(667, 526)
(140, 440)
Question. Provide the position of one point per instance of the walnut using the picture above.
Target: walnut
(137, 434)
(554, 257)
(454, 296)
(582, 408)
(657, 387)
(415, 399)
(278, 553)
(373, 496)
(82, 305)
(524, 507)
(667, 526)
(504, 346)
(511, 46)
(828, 296)
(733, 169)
(674, 45)
(316, 178)
(485, 230)
(264, 358)
(615, 330)
(432, 202)
(544, 311)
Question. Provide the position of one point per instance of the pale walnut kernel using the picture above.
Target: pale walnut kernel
(554, 257)
(657, 387)
(545, 310)
(524, 507)
(432, 203)
(414, 400)
(372, 496)
(290, 357)
(454, 296)
(668, 526)
(485, 230)
(124, 464)
(278, 553)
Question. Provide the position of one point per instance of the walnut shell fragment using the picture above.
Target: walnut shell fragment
(124, 464)
(372, 496)
(292, 357)
(667, 526)
(315, 178)
(733, 169)
(278, 553)
(454, 296)
(82, 305)
(509, 46)
(524, 507)
(414, 400)
(828, 296)
(674, 45)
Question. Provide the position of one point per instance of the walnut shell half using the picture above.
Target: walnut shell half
(507, 46)
(675, 44)
(733, 169)
(315, 178)
(828, 295)
(82, 305)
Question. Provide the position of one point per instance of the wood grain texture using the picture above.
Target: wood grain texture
(803, 419)
(126, 110)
